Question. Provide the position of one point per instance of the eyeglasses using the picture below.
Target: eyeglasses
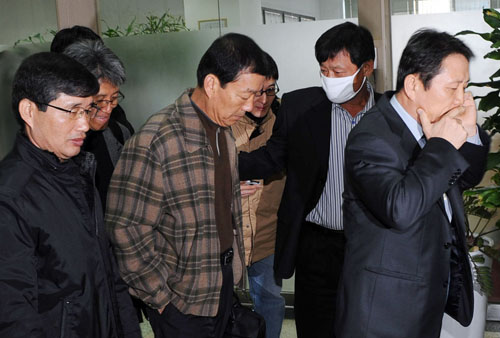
(113, 102)
(76, 112)
(271, 91)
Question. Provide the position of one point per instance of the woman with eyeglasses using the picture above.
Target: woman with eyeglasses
(109, 129)
(260, 200)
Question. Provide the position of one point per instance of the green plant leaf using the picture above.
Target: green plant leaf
(35, 38)
(495, 55)
(484, 279)
(493, 160)
(489, 101)
(490, 84)
(483, 276)
(495, 44)
(496, 74)
(491, 252)
(130, 28)
(154, 24)
(492, 123)
(491, 198)
(495, 178)
(486, 36)
(491, 17)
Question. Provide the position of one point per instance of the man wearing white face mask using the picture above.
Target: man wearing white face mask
(308, 142)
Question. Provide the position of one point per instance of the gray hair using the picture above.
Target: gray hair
(98, 59)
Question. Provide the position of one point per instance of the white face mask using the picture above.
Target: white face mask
(340, 89)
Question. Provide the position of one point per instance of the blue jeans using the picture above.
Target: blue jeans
(265, 293)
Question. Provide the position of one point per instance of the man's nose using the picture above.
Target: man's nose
(248, 106)
(261, 98)
(107, 108)
(83, 123)
(459, 96)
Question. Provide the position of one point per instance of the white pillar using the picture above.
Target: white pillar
(375, 15)
(78, 12)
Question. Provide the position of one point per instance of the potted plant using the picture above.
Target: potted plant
(481, 203)
(154, 24)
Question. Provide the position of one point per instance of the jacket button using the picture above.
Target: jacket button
(447, 245)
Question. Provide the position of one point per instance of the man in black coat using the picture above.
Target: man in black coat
(58, 277)
(308, 141)
(407, 163)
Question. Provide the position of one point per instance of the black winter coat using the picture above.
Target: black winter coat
(58, 277)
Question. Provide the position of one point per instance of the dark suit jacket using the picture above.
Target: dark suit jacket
(399, 240)
(300, 144)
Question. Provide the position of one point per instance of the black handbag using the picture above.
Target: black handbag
(244, 322)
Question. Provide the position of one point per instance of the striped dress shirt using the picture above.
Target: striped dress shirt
(328, 210)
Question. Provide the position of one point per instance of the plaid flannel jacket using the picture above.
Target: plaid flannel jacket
(161, 213)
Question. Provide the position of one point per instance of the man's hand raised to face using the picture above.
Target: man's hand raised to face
(449, 127)
(469, 116)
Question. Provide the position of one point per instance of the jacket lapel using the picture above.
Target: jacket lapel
(456, 202)
(409, 144)
(319, 121)
(398, 127)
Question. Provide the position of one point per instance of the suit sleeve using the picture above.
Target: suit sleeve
(398, 194)
(476, 156)
(271, 158)
(18, 280)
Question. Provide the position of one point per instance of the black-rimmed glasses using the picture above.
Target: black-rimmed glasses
(271, 91)
(113, 102)
(76, 112)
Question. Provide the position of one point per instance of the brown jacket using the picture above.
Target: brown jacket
(260, 209)
(161, 214)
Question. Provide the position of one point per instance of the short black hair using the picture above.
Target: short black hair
(228, 55)
(67, 36)
(42, 77)
(424, 53)
(271, 67)
(98, 59)
(354, 39)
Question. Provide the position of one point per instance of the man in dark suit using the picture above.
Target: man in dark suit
(407, 163)
(308, 141)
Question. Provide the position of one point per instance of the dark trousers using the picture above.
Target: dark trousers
(174, 324)
(320, 258)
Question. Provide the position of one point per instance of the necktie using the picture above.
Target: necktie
(447, 206)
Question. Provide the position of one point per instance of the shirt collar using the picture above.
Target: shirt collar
(411, 123)
(369, 104)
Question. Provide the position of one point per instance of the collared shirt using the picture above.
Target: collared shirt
(328, 210)
(417, 132)
(416, 128)
(223, 187)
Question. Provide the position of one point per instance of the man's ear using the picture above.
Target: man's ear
(411, 85)
(368, 68)
(211, 83)
(27, 110)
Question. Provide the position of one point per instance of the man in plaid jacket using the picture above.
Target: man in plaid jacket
(174, 212)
